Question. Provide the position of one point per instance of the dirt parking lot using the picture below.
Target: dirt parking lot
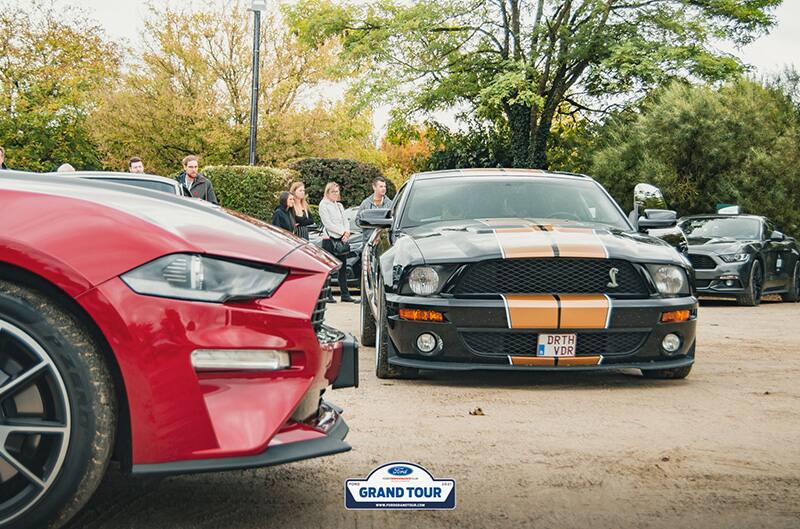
(719, 449)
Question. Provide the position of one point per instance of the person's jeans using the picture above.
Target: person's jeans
(342, 274)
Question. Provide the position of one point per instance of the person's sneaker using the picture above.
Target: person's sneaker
(351, 300)
(330, 300)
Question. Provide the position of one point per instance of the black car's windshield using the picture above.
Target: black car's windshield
(451, 199)
(740, 228)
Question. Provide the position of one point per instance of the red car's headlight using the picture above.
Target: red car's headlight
(202, 278)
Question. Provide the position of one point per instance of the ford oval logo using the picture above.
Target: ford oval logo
(400, 471)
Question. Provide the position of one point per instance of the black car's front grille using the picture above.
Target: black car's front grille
(524, 344)
(550, 276)
(318, 316)
(702, 262)
(702, 283)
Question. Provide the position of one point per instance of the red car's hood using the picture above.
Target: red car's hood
(134, 226)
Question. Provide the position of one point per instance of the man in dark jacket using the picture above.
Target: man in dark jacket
(3, 158)
(197, 184)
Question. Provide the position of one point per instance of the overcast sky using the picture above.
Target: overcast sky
(768, 54)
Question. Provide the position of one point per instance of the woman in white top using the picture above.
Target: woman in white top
(336, 227)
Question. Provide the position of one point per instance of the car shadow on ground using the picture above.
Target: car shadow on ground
(213, 500)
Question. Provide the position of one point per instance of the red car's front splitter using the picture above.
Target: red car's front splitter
(294, 443)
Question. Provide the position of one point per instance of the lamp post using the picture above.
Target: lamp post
(257, 6)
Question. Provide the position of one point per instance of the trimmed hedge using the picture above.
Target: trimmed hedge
(250, 190)
(354, 177)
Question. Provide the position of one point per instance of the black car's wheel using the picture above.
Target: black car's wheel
(793, 288)
(676, 373)
(57, 411)
(382, 367)
(755, 287)
(367, 322)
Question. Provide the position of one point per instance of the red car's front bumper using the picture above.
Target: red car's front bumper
(182, 420)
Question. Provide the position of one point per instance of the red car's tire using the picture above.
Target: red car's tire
(58, 410)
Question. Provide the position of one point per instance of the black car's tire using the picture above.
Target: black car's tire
(676, 373)
(367, 322)
(52, 362)
(383, 369)
(793, 288)
(755, 287)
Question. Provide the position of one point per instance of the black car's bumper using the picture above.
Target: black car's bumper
(724, 280)
(476, 335)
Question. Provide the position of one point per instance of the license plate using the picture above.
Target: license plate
(552, 345)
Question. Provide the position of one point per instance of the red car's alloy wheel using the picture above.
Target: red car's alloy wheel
(34, 422)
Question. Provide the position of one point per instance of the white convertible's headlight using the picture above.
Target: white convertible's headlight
(423, 281)
(735, 257)
(202, 278)
(670, 280)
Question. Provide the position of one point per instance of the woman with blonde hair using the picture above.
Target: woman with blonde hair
(302, 213)
(336, 233)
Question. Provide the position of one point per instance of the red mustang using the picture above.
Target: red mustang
(172, 335)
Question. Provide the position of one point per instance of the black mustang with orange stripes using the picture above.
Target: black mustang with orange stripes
(522, 270)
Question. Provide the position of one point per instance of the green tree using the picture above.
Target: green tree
(739, 144)
(517, 61)
(189, 92)
(52, 65)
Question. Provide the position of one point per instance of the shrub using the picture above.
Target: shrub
(736, 144)
(355, 178)
(250, 190)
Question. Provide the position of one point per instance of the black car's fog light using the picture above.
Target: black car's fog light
(428, 343)
(671, 344)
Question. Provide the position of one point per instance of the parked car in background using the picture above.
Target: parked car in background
(177, 337)
(742, 257)
(353, 263)
(143, 181)
(511, 269)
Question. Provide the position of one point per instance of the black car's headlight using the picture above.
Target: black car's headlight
(427, 280)
(202, 278)
(670, 280)
(735, 257)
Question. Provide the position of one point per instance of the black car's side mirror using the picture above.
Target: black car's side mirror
(374, 218)
(777, 236)
(654, 219)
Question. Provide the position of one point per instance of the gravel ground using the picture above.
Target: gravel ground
(608, 450)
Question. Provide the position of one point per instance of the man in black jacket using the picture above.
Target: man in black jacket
(197, 184)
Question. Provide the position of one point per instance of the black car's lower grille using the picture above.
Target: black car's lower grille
(524, 344)
(551, 276)
(702, 262)
(318, 316)
(702, 283)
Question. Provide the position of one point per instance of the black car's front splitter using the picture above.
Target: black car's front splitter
(465, 366)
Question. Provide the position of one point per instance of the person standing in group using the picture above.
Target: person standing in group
(336, 233)
(198, 185)
(136, 165)
(284, 213)
(302, 213)
(3, 158)
(378, 198)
